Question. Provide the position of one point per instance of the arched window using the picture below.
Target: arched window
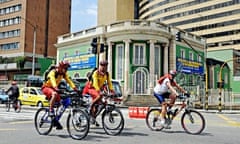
(140, 81)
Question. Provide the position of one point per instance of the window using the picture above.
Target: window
(157, 59)
(139, 54)
(182, 53)
(120, 61)
(191, 56)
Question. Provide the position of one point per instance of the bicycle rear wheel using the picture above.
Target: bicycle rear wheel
(43, 122)
(193, 122)
(153, 119)
(78, 124)
(112, 121)
(17, 106)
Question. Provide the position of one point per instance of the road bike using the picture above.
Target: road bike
(192, 121)
(112, 118)
(16, 105)
(77, 119)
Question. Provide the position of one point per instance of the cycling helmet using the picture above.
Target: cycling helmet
(173, 72)
(64, 64)
(14, 82)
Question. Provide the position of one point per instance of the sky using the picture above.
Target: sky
(83, 14)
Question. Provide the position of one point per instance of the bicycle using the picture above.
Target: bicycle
(16, 104)
(112, 118)
(77, 119)
(192, 121)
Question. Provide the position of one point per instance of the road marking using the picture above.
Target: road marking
(7, 129)
(21, 122)
(231, 122)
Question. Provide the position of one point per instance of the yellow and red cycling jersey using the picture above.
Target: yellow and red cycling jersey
(98, 81)
(54, 79)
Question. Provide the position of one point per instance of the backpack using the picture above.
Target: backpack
(161, 79)
(89, 75)
(51, 67)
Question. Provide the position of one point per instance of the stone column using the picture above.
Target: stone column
(110, 44)
(166, 58)
(151, 65)
(126, 68)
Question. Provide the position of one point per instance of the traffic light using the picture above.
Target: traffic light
(204, 77)
(94, 45)
(101, 48)
(178, 36)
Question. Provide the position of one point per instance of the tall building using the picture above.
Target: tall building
(216, 20)
(29, 28)
(110, 11)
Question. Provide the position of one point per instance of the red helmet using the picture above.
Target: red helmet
(14, 82)
(64, 64)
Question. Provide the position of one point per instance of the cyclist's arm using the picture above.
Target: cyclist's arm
(171, 87)
(69, 81)
(109, 82)
(180, 88)
(52, 78)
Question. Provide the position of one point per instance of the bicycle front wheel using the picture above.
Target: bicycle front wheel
(153, 119)
(193, 122)
(43, 122)
(17, 106)
(78, 124)
(112, 121)
(8, 102)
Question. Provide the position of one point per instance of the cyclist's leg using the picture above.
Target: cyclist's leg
(163, 104)
(52, 96)
(172, 97)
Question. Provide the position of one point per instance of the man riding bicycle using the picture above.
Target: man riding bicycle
(161, 91)
(50, 86)
(13, 92)
(93, 87)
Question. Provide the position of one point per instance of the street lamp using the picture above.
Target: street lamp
(34, 43)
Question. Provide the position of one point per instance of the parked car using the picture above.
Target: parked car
(33, 96)
(3, 96)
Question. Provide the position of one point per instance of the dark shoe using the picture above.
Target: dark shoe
(97, 124)
(57, 125)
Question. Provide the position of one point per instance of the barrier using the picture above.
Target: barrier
(137, 112)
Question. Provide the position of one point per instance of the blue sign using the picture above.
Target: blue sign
(190, 67)
(81, 62)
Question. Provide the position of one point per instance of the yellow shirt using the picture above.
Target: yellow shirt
(98, 80)
(54, 82)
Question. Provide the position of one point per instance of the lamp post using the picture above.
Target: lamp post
(34, 43)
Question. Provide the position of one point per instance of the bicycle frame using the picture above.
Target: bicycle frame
(64, 104)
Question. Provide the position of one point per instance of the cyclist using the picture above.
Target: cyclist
(161, 91)
(50, 86)
(94, 86)
(13, 92)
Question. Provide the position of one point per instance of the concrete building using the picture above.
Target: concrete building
(139, 52)
(29, 28)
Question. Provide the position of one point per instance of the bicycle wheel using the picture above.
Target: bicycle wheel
(112, 121)
(153, 119)
(8, 102)
(17, 106)
(43, 122)
(193, 122)
(78, 124)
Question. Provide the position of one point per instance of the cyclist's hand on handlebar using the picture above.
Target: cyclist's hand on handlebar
(187, 94)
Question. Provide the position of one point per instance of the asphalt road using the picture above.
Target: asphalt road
(221, 128)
